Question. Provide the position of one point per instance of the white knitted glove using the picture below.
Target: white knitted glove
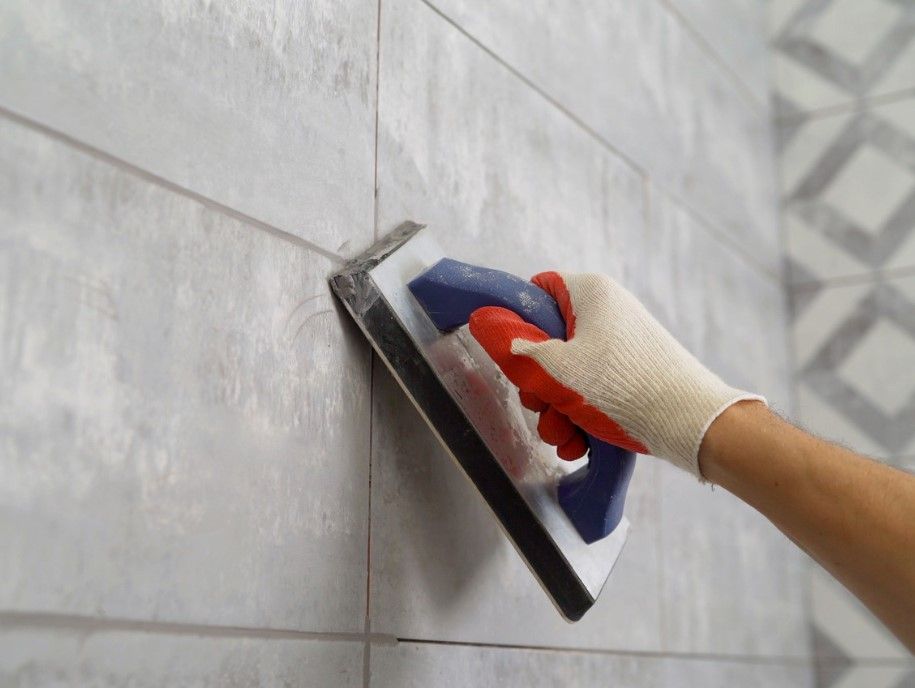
(619, 376)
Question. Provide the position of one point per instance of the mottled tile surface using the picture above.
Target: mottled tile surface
(541, 194)
(443, 569)
(185, 410)
(408, 665)
(637, 77)
(265, 107)
(735, 30)
(501, 175)
(729, 577)
(36, 656)
(732, 317)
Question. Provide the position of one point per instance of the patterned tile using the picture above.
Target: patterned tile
(855, 365)
(828, 52)
(848, 191)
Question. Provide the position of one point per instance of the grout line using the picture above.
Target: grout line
(760, 107)
(367, 650)
(367, 654)
(537, 89)
(648, 654)
(850, 280)
(851, 106)
(89, 624)
(719, 233)
(161, 182)
(377, 104)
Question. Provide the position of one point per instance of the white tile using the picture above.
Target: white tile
(817, 322)
(716, 599)
(805, 149)
(782, 13)
(873, 368)
(265, 107)
(816, 254)
(869, 189)
(635, 75)
(409, 665)
(185, 411)
(42, 656)
(851, 29)
(736, 31)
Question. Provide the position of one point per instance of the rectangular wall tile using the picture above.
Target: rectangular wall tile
(635, 75)
(408, 665)
(266, 108)
(726, 312)
(185, 411)
(443, 569)
(112, 658)
(512, 183)
(736, 31)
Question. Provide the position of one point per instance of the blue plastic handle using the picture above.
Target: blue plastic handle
(593, 496)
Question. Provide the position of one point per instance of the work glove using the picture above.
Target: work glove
(619, 376)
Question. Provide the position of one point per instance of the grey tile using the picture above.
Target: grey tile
(635, 75)
(732, 317)
(265, 107)
(729, 314)
(732, 584)
(736, 31)
(35, 657)
(406, 665)
(509, 182)
(185, 411)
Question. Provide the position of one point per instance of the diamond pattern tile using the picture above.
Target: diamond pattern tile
(853, 28)
(875, 368)
(829, 52)
(869, 189)
(850, 180)
(860, 365)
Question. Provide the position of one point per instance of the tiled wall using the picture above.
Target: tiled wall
(845, 108)
(204, 478)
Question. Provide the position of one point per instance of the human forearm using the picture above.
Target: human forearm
(856, 517)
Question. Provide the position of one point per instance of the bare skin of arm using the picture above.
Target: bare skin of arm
(854, 516)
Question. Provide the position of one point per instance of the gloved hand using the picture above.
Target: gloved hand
(619, 376)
